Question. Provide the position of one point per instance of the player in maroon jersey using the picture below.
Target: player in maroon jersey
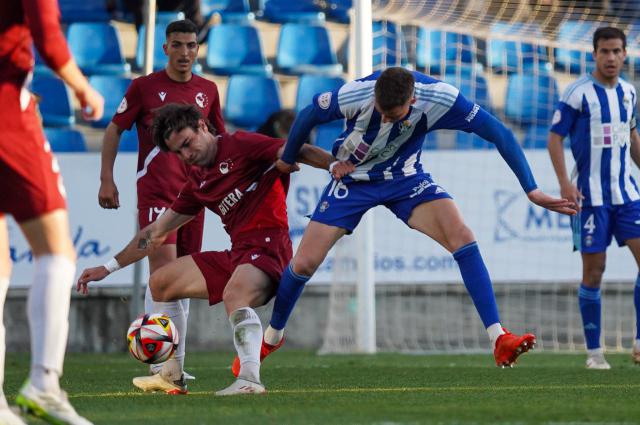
(160, 175)
(33, 193)
(235, 178)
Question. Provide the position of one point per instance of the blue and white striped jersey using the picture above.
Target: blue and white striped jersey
(384, 151)
(599, 121)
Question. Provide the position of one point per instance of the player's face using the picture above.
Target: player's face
(182, 50)
(609, 57)
(194, 147)
(397, 113)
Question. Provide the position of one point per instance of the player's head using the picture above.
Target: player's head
(181, 46)
(609, 51)
(278, 124)
(394, 93)
(181, 129)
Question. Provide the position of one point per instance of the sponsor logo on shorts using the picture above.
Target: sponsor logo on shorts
(557, 116)
(202, 183)
(324, 100)
(254, 256)
(123, 106)
(323, 206)
(162, 95)
(588, 240)
(421, 187)
(202, 100)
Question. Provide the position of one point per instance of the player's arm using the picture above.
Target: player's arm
(568, 190)
(145, 242)
(319, 158)
(43, 20)
(108, 196)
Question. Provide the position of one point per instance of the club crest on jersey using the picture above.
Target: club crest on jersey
(324, 100)
(404, 126)
(202, 100)
(225, 166)
(162, 95)
(123, 106)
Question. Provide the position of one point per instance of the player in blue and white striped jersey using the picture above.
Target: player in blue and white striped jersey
(598, 112)
(387, 117)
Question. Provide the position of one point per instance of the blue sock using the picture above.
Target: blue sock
(590, 309)
(291, 286)
(636, 302)
(478, 283)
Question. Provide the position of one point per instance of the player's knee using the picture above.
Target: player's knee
(594, 273)
(460, 237)
(304, 265)
(160, 286)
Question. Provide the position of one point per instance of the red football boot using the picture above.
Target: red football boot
(265, 350)
(509, 346)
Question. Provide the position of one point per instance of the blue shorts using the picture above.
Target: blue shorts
(593, 227)
(344, 204)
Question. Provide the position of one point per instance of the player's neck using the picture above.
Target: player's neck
(180, 77)
(605, 81)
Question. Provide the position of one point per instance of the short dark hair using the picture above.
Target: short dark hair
(183, 25)
(394, 87)
(279, 123)
(175, 117)
(607, 33)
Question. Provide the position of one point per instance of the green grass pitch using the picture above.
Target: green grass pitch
(304, 388)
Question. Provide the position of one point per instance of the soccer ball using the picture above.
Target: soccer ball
(152, 338)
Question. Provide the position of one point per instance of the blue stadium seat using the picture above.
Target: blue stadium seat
(509, 56)
(571, 60)
(471, 83)
(438, 51)
(431, 141)
(84, 11)
(97, 49)
(536, 136)
(310, 85)
(326, 134)
(389, 47)
(129, 140)
(112, 89)
(236, 49)
(65, 140)
(159, 58)
(231, 11)
(282, 11)
(633, 39)
(306, 49)
(531, 98)
(250, 99)
(55, 103)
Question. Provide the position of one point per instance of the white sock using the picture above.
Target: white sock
(4, 286)
(148, 301)
(48, 311)
(247, 338)
(273, 336)
(494, 332)
(593, 352)
(175, 312)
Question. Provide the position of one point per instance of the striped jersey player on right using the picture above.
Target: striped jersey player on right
(598, 113)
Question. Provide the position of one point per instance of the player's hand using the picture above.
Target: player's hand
(286, 168)
(108, 196)
(93, 274)
(92, 104)
(339, 169)
(562, 206)
(570, 192)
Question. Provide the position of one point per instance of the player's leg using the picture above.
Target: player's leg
(634, 246)
(6, 415)
(592, 235)
(249, 287)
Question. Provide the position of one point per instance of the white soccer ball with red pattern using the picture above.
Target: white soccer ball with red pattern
(152, 338)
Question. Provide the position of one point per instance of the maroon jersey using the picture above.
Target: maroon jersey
(22, 24)
(161, 174)
(242, 186)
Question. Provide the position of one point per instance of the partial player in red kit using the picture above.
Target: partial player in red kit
(235, 179)
(161, 175)
(33, 193)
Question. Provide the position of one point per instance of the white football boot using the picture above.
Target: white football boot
(170, 379)
(7, 417)
(598, 362)
(52, 408)
(242, 386)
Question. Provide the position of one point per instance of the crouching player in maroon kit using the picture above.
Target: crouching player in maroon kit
(235, 178)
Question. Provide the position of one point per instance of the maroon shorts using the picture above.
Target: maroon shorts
(269, 250)
(188, 238)
(30, 181)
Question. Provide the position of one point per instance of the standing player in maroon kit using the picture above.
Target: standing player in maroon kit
(160, 175)
(236, 179)
(33, 193)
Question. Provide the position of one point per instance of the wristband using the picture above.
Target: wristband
(112, 265)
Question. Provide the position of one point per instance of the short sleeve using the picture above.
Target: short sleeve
(186, 202)
(129, 108)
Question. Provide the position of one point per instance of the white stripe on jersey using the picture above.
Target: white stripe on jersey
(435, 99)
(152, 154)
(595, 184)
(614, 182)
(628, 186)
